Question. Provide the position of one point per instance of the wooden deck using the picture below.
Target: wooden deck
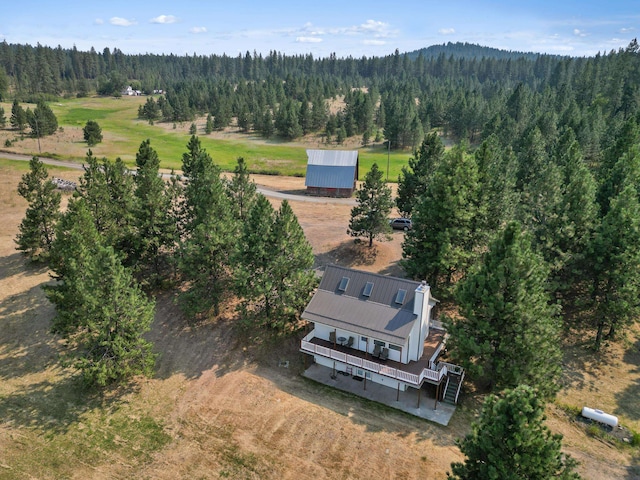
(431, 344)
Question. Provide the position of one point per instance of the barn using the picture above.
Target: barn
(331, 173)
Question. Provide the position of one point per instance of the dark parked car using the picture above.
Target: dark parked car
(401, 224)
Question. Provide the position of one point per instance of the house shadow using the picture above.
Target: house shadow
(25, 337)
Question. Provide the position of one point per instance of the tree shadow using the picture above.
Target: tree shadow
(26, 344)
(183, 346)
(579, 359)
(55, 405)
(627, 400)
(17, 264)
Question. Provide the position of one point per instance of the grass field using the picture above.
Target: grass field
(123, 132)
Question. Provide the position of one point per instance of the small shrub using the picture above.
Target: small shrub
(8, 143)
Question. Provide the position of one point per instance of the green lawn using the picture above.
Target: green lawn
(123, 134)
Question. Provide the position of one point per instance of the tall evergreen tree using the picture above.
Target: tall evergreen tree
(242, 190)
(100, 309)
(155, 230)
(37, 229)
(74, 255)
(442, 243)
(110, 346)
(511, 442)
(208, 233)
(42, 120)
(273, 271)
(370, 217)
(107, 188)
(413, 180)
(616, 256)
(508, 334)
(18, 116)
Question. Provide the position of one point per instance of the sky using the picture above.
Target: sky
(347, 28)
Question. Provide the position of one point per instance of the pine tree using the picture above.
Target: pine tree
(100, 309)
(37, 229)
(273, 264)
(110, 346)
(242, 190)
(413, 179)
(291, 272)
(616, 256)
(208, 234)
(254, 257)
(370, 217)
(442, 243)
(3, 118)
(74, 254)
(42, 120)
(107, 188)
(92, 133)
(511, 442)
(18, 116)
(155, 230)
(508, 334)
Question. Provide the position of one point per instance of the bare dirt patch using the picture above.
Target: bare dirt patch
(233, 400)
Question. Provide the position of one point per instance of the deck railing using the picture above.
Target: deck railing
(398, 374)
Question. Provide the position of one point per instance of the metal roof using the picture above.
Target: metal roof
(376, 316)
(332, 158)
(331, 168)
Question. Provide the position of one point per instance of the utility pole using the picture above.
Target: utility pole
(388, 155)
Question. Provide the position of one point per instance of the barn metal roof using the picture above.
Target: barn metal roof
(331, 168)
(377, 315)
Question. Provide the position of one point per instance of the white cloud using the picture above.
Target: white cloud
(198, 30)
(98, 21)
(626, 30)
(579, 33)
(164, 19)
(446, 31)
(308, 39)
(374, 42)
(373, 26)
(121, 22)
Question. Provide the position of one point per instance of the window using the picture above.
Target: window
(343, 284)
(367, 289)
(364, 339)
(400, 296)
(378, 342)
(359, 372)
(367, 375)
(395, 347)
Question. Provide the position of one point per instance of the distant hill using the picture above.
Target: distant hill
(470, 51)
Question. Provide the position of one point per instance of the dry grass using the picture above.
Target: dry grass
(221, 406)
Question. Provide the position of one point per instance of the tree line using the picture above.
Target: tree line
(467, 92)
(125, 236)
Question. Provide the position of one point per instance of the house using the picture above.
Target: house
(380, 329)
(331, 173)
(131, 92)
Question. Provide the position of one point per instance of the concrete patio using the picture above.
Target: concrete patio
(407, 401)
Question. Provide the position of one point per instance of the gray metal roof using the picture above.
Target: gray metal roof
(332, 158)
(376, 316)
(331, 168)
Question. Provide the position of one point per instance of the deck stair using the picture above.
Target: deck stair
(452, 388)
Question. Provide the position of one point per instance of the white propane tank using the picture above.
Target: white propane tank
(600, 416)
